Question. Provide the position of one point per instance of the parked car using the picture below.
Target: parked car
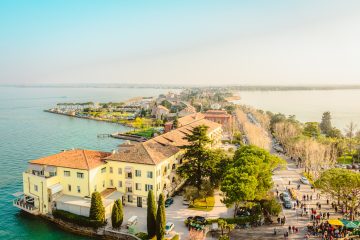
(285, 196)
(304, 180)
(169, 227)
(168, 202)
(199, 219)
(287, 204)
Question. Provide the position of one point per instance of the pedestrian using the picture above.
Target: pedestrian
(284, 219)
(336, 208)
(307, 197)
(327, 201)
(310, 197)
(328, 215)
(289, 229)
(304, 197)
(281, 221)
(319, 206)
(278, 220)
(293, 229)
(289, 182)
(277, 192)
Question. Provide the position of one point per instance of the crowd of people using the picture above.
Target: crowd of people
(326, 231)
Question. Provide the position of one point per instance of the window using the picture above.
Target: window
(138, 186)
(150, 174)
(130, 198)
(120, 184)
(148, 187)
(69, 188)
(36, 188)
(67, 173)
(137, 173)
(119, 171)
(103, 170)
(52, 174)
(111, 182)
(80, 175)
(78, 189)
(111, 170)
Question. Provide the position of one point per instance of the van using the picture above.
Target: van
(132, 221)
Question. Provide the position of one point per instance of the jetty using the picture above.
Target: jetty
(130, 137)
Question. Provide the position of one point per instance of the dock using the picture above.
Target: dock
(130, 137)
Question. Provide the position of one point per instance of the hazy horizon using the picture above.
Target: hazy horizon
(180, 42)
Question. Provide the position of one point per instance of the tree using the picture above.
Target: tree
(350, 134)
(207, 190)
(325, 124)
(196, 155)
(160, 218)
(117, 214)
(191, 193)
(312, 129)
(343, 185)
(224, 225)
(335, 133)
(151, 215)
(250, 176)
(97, 210)
(175, 123)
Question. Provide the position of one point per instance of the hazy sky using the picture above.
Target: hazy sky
(180, 42)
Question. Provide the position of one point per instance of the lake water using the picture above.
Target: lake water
(28, 133)
(307, 106)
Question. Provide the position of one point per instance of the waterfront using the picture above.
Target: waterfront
(307, 106)
(28, 133)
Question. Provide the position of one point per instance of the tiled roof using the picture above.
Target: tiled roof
(161, 147)
(76, 159)
(190, 118)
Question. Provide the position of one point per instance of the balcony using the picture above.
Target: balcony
(26, 204)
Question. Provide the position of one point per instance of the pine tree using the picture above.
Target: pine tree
(175, 123)
(160, 219)
(117, 214)
(325, 124)
(97, 210)
(151, 215)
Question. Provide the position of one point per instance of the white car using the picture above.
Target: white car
(304, 180)
(169, 227)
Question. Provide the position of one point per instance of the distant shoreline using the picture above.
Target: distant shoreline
(228, 87)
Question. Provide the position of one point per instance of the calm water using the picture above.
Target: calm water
(28, 133)
(344, 105)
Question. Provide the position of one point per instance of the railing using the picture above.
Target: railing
(20, 203)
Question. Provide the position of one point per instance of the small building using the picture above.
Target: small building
(159, 112)
(219, 116)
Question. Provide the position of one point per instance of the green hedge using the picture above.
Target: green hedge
(142, 235)
(238, 220)
(77, 219)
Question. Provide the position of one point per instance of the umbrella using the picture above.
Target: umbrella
(349, 224)
(335, 222)
(357, 223)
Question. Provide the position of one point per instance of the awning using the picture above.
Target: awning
(335, 222)
(36, 167)
(56, 188)
(349, 224)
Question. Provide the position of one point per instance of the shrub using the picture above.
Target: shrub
(176, 237)
(117, 214)
(77, 219)
(97, 210)
(160, 218)
(151, 215)
(271, 207)
(142, 235)
(237, 220)
(224, 237)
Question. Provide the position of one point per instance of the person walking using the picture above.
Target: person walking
(328, 215)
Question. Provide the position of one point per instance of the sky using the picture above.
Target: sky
(205, 42)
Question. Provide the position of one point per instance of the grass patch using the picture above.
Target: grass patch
(147, 132)
(345, 160)
(200, 204)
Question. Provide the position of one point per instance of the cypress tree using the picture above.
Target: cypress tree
(151, 215)
(160, 218)
(97, 210)
(117, 214)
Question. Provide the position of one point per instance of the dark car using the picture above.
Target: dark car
(287, 204)
(199, 219)
(168, 202)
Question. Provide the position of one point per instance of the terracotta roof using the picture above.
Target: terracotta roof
(190, 118)
(161, 147)
(149, 152)
(77, 159)
(162, 107)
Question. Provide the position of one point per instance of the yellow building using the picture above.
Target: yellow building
(66, 180)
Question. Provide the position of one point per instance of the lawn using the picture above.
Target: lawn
(147, 132)
(200, 204)
(345, 160)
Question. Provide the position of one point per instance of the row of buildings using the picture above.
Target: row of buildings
(66, 180)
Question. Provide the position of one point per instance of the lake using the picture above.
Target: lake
(307, 106)
(28, 133)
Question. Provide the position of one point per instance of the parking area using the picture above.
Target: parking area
(177, 213)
